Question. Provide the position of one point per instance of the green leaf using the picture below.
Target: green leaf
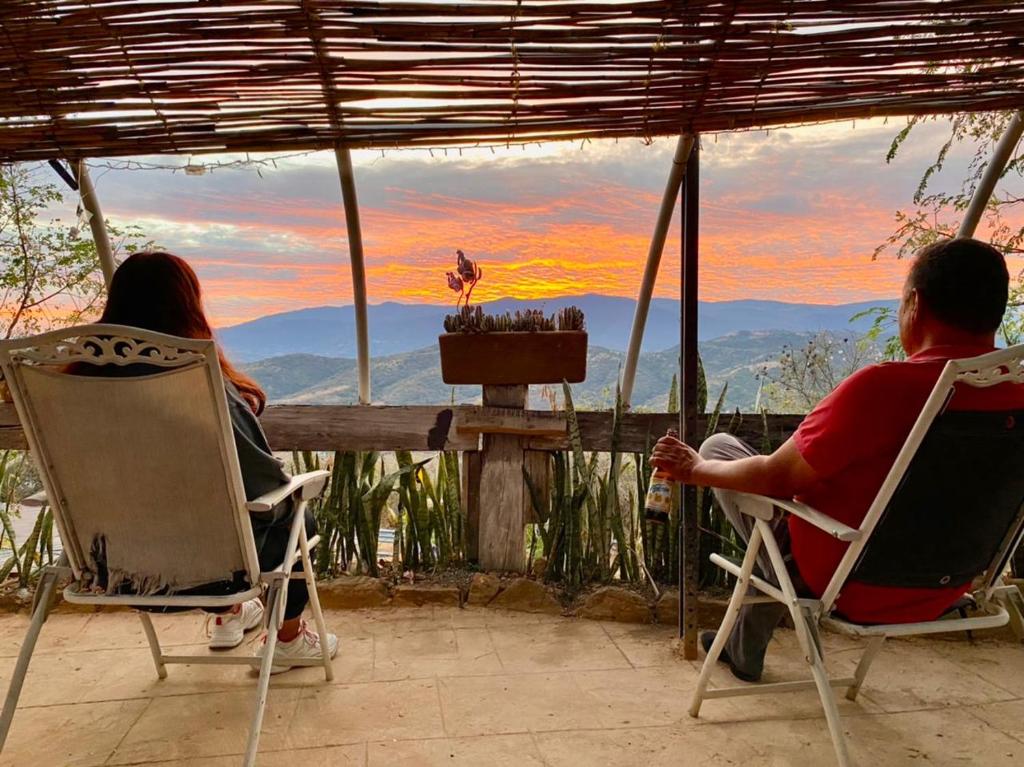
(30, 549)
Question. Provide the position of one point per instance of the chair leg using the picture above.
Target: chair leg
(731, 613)
(45, 591)
(314, 604)
(154, 644)
(825, 692)
(806, 629)
(870, 653)
(263, 685)
(1013, 601)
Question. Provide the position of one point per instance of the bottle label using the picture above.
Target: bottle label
(659, 496)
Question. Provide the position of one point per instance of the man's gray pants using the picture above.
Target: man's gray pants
(756, 623)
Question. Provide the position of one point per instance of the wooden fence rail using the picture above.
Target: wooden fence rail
(431, 427)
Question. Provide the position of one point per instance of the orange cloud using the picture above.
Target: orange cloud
(258, 255)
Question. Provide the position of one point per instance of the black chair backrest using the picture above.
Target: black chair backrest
(958, 508)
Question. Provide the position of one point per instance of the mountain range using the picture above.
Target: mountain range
(414, 378)
(307, 356)
(329, 331)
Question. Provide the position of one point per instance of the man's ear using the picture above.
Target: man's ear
(913, 302)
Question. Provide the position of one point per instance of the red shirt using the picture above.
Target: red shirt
(851, 440)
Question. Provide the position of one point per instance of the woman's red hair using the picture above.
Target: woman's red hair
(160, 292)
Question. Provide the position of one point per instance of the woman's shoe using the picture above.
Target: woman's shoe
(229, 628)
(305, 646)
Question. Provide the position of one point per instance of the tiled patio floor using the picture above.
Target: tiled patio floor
(433, 686)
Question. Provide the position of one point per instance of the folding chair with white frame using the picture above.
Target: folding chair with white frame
(147, 493)
(956, 490)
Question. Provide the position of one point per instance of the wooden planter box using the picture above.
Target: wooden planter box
(508, 359)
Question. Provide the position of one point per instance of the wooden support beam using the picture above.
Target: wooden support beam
(344, 427)
(97, 224)
(430, 427)
(689, 528)
(1001, 157)
(355, 251)
(511, 421)
(654, 252)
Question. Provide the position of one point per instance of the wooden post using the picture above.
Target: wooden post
(97, 224)
(502, 495)
(355, 251)
(689, 531)
(1001, 156)
(657, 246)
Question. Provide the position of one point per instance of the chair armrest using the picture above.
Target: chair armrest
(308, 486)
(833, 527)
(35, 500)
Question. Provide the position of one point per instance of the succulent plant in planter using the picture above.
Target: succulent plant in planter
(527, 347)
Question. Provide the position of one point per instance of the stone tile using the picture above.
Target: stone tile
(938, 738)
(665, 746)
(123, 630)
(353, 755)
(343, 714)
(492, 705)
(69, 736)
(637, 697)
(1008, 717)
(334, 756)
(98, 675)
(438, 652)
(214, 724)
(492, 617)
(384, 621)
(910, 675)
(556, 645)
(1000, 663)
(644, 646)
(58, 632)
(571, 692)
(493, 750)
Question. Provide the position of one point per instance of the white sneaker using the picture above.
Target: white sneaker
(304, 646)
(229, 628)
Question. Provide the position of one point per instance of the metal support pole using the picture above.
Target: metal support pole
(996, 166)
(689, 532)
(657, 247)
(91, 203)
(355, 250)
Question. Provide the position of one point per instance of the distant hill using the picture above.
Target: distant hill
(414, 378)
(401, 328)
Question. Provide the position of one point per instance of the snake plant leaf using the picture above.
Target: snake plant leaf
(716, 414)
(29, 549)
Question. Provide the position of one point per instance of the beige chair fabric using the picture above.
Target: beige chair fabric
(143, 484)
(142, 475)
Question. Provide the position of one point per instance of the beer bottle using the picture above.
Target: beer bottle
(659, 494)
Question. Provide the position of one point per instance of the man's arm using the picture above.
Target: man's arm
(782, 474)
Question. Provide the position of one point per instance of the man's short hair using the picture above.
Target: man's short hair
(964, 282)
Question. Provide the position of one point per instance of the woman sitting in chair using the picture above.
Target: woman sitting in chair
(160, 292)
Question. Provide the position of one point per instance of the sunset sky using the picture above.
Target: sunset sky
(791, 215)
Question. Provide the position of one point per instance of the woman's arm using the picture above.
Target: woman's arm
(782, 474)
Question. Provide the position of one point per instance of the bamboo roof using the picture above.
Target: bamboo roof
(113, 77)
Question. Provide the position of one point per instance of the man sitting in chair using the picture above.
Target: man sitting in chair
(952, 305)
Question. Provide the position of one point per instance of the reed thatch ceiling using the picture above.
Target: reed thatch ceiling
(113, 77)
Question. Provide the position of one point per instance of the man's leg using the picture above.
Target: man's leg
(750, 636)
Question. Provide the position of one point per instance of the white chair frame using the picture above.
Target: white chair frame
(999, 603)
(65, 346)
